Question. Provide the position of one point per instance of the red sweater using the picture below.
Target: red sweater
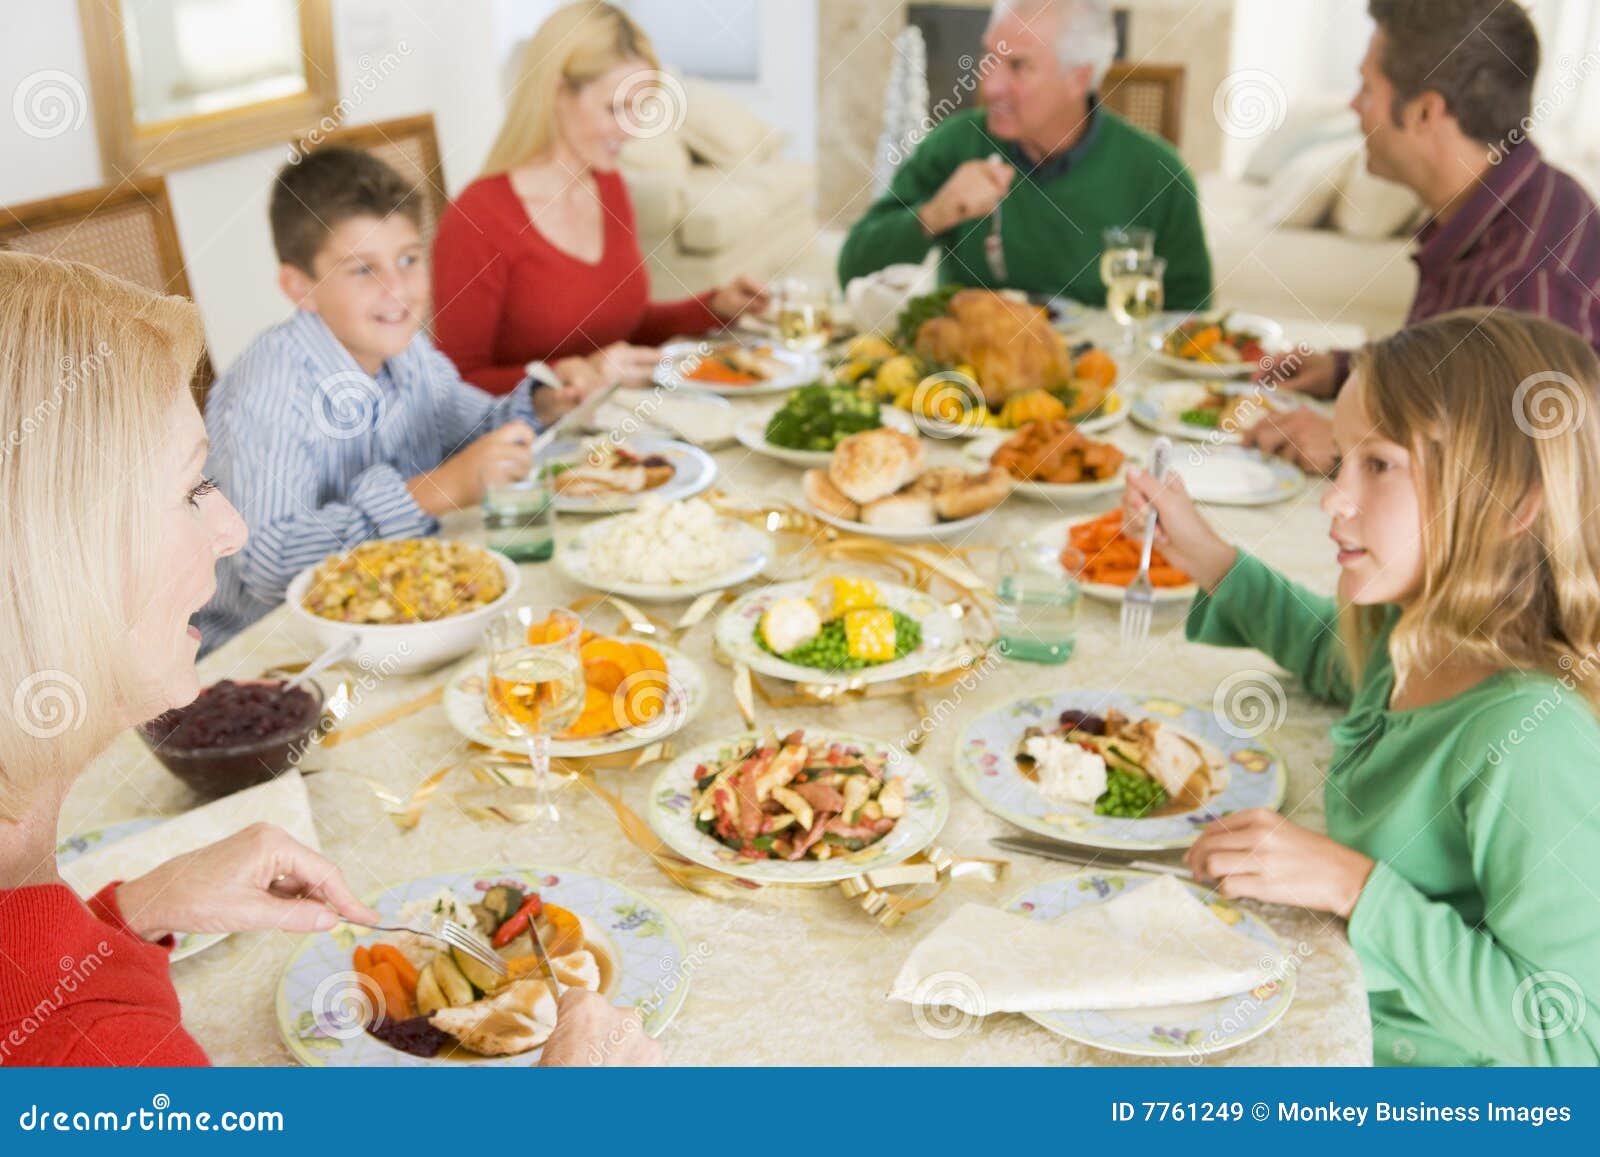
(79, 987)
(504, 296)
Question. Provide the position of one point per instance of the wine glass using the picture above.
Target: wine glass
(1123, 243)
(535, 687)
(1135, 294)
(805, 313)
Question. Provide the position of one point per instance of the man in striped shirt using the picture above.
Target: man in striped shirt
(344, 423)
(1445, 103)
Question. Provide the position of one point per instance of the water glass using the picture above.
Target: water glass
(519, 518)
(1036, 606)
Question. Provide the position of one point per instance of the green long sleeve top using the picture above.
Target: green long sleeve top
(1479, 929)
(1050, 225)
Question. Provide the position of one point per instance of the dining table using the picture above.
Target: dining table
(782, 975)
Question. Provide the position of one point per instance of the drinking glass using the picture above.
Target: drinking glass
(519, 518)
(535, 689)
(1135, 295)
(1123, 243)
(1036, 604)
(805, 313)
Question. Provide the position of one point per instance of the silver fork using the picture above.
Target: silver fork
(1140, 597)
(456, 936)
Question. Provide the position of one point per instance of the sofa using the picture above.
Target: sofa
(715, 197)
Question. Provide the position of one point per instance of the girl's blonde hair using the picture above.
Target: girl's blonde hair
(1500, 412)
(92, 366)
(574, 46)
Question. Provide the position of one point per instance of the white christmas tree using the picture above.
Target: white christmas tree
(905, 106)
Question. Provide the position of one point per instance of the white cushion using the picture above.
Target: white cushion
(1370, 207)
(661, 153)
(728, 209)
(719, 129)
(1305, 126)
(1301, 193)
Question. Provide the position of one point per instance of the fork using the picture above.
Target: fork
(1140, 596)
(454, 935)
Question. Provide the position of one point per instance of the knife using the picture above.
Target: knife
(582, 410)
(994, 248)
(1083, 857)
(544, 957)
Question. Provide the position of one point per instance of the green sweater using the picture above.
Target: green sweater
(1050, 228)
(1479, 929)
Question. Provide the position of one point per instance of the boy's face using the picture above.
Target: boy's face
(370, 286)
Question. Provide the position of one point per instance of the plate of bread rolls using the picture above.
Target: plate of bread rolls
(878, 483)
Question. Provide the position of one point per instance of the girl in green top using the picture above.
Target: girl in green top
(1463, 796)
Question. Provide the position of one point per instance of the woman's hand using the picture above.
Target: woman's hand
(257, 879)
(1302, 436)
(744, 294)
(631, 365)
(591, 1031)
(1256, 854)
(1182, 532)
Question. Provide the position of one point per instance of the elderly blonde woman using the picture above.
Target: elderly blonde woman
(110, 534)
(538, 259)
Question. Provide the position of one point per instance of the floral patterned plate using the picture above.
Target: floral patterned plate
(186, 944)
(986, 766)
(927, 808)
(318, 1000)
(463, 706)
(1186, 1030)
(941, 634)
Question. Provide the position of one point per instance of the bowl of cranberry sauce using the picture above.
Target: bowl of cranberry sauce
(236, 734)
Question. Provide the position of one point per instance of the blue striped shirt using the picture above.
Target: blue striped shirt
(315, 454)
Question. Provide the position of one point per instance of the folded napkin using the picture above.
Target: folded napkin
(703, 421)
(1156, 944)
(280, 801)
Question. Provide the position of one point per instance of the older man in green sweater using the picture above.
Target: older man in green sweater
(1045, 160)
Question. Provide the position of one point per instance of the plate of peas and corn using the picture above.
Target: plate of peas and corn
(837, 630)
(1113, 770)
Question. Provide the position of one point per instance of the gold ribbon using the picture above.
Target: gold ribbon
(935, 865)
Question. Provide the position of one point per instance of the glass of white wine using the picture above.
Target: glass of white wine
(1135, 295)
(535, 687)
(1123, 243)
(805, 313)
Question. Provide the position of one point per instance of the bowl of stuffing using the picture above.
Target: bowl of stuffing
(415, 603)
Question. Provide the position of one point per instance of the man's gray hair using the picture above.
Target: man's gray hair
(1086, 36)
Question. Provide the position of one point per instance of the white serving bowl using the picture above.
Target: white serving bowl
(404, 648)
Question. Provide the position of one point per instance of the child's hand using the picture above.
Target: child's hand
(1258, 855)
(1182, 532)
(503, 455)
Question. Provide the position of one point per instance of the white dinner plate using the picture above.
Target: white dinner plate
(1157, 407)
(575, 559)
(678, 357)
(693, 470)
(752, 435)
(1236, 476)
(1271, 338)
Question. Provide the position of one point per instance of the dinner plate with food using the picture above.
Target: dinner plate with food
(1226, 345)
(359, 998)
(813, 420)
(601, 475)
(811, 807)
(1217, 412)
(1055, 460)
(878, 483)
(635, 692)
(1237, 476)
(1173, 915)
(736, 368)
(1108, 769)
(665, 551)
(414, 603)
(1104, 559)
(839, 629)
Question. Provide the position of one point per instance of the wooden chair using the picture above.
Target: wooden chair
(126, 230)
(1149, 95)
(410, 146)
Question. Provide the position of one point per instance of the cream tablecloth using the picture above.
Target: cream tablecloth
(796, 977)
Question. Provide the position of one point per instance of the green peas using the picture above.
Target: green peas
(1129, 796)
(830, 650)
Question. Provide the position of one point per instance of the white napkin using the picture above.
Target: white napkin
(1154, 945)
(694, 419)
(280, 801)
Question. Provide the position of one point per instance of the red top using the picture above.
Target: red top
(504, 296)
(79, 987)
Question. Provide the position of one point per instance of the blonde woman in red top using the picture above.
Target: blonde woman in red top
(110, 536)
(538, 259)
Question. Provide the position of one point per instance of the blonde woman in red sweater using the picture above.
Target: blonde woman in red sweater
(110, 536)
(538, 259)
